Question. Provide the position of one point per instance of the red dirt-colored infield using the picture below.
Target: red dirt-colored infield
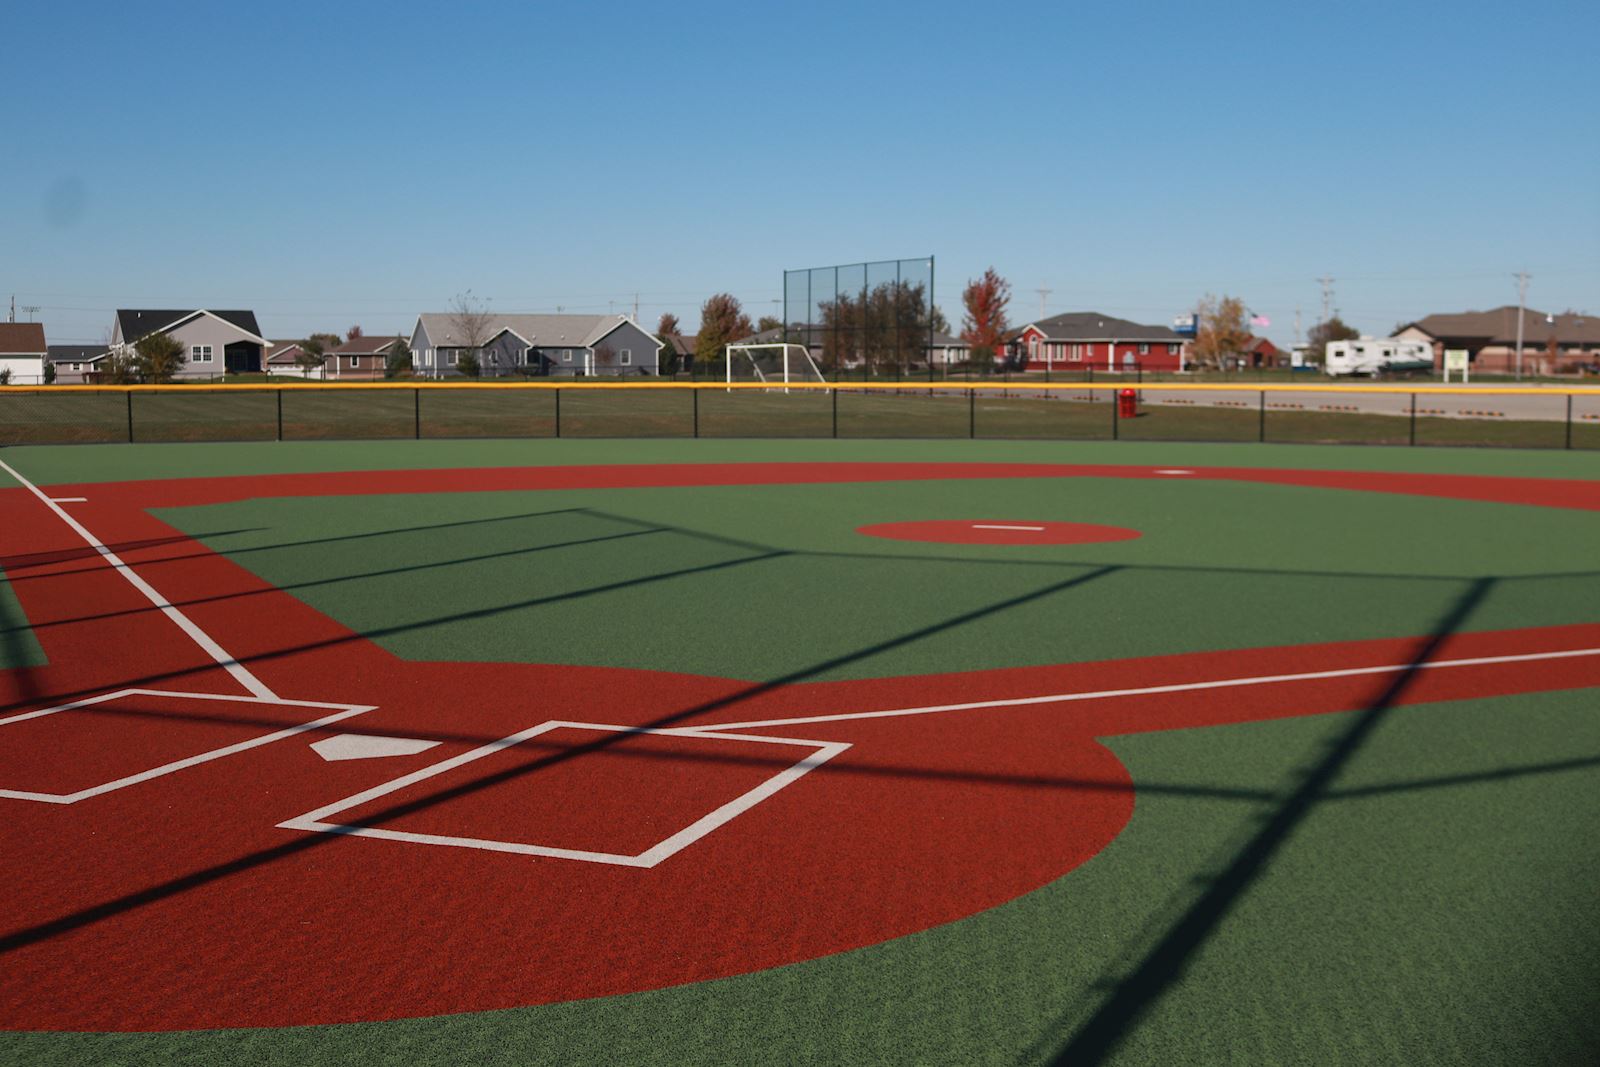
(998, 532)
(196, 897)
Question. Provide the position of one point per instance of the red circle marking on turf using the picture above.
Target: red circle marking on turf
(998, 532)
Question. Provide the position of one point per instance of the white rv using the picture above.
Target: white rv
(1375, 356)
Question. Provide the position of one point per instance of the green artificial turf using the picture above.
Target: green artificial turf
(18, 646)
(1435, 905)
(60, 465)
(685, 579)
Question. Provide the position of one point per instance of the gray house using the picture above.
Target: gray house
(539, 345)
(214, 342)
(77, 364)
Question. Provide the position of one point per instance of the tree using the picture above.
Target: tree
(158, 357)
(937, 320)
(352, 333)
(313, 353)
(398, 365)
(981, 358)
(49, 371)
(984, 325)
(118, 368)
(668, 326)
(5, 375)
(722, 322)
(1224, 330)
(470, 323)
(668, 332)
(768, 322)
(1335, 329)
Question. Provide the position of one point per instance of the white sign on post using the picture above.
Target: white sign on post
(1456, 359)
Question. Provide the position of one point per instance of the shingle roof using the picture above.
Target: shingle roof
(22, 339)
(366, 346)
(543, 331)
(283, 352)
(1499, 327)
(1094, 326)
(137, 323)
(76, 353)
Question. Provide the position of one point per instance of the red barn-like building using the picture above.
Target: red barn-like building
(1079, 340)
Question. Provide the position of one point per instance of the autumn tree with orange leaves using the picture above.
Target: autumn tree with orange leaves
(984, 326)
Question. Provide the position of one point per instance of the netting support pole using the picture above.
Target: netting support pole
(1261, 422)
(972, 414)
(1569, 422)
(416, 414)
(1413, 439)
(129, 395)
(834, 393)
(695, 393)
(279, 396)
(1116, 420)
(558, 411)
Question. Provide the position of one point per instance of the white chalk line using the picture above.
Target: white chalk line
(1152, 690)
(999, 526)
(240, 673)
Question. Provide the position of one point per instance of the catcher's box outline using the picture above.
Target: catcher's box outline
(315, 821)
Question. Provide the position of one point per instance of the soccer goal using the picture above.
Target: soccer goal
(778, 365)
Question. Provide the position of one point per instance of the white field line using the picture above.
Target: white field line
(69, 499)
(1181, 687)
(999, 526)
(184, 623)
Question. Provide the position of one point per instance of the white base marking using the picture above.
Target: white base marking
(342, 747)
(69, 499)
(240, 673)
(314, 820)
(1181, 687)
(344, 711)
(1173, 470)
(998, 526)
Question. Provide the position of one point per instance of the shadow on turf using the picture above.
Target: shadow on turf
(1092, 1036)
(26, 936)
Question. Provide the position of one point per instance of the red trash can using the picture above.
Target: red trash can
(1128, 404)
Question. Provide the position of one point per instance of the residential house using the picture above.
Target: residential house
(1081, 340)
(945, 350)
(1260, 352)
(361, 359)
(23, 352)
(77, 364)
(284, 360)
(681, 346)
(214, 342)
(1490, 338)
(554, 345)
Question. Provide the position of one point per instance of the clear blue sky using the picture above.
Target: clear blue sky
(330, 164)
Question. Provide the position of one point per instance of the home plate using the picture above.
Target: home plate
(365, 746)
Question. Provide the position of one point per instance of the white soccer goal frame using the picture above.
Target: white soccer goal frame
(792, 367)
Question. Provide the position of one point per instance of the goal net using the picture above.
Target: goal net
(777, 365)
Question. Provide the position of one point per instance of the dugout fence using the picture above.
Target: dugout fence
(1552, 417)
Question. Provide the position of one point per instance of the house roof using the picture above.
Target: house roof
(137, 323)
(681, 344)
(1094, 326)
(946, 340)
(541, 331)
(283, 352)
(1499, 327)
(367, 346)
(77, 353)
(22, 339)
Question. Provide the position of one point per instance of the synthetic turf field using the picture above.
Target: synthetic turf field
(1303, 772)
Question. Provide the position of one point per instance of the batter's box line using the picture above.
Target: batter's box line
(315, 821)
(340, 713)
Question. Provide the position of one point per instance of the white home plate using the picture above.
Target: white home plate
(364, 746)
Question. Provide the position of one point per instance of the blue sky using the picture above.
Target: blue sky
(332, 164)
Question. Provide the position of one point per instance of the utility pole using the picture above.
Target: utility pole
(13, 316)
(1326, 281)
(1522, 277)
(1296, 325)
(1042, 294)
(635, 307)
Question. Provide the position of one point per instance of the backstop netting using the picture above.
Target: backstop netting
(863, 319)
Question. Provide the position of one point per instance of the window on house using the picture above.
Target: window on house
(1172, 350)
(451, 359)
(625, 357)
(566, 357)
(523, 359)
(354, 363)
(199, 353)
(1144, 350)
